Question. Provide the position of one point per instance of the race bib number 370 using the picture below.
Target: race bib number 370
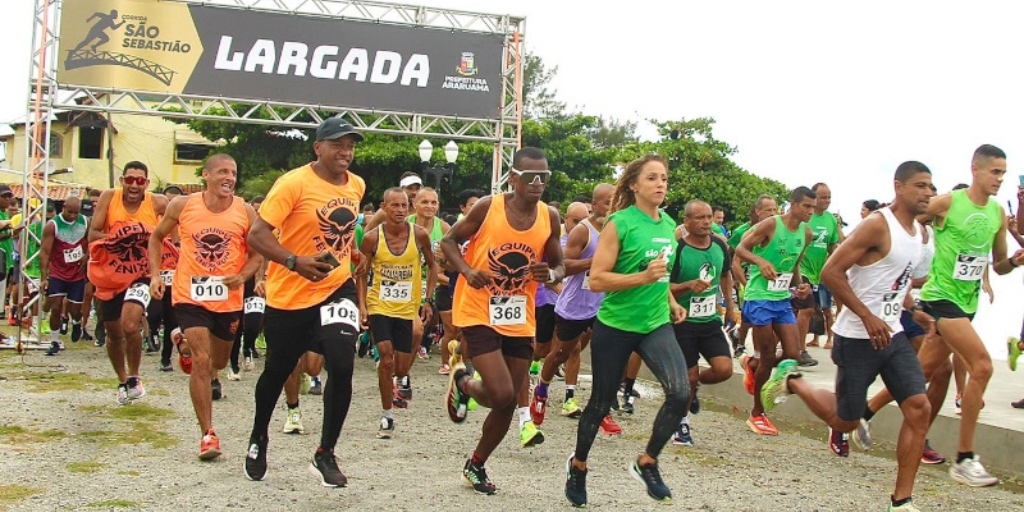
(507, 310)
(969, 267)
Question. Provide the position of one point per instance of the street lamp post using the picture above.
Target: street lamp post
(439, 173)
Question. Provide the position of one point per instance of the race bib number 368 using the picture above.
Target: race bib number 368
(342, 311)
(507, 310)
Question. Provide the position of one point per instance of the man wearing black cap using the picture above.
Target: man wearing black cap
(311, 301)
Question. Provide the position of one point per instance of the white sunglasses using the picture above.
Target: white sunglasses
(533, 177)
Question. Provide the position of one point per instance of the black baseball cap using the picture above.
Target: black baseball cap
(4, 189)
(335, 128)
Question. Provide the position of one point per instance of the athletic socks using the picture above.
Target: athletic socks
(290, 406)
(524, 416)
(962, 456)
(570, 391)
(389, 414)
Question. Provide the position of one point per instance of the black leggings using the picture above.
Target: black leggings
(610, 349)
(157, 311)
(245, 337)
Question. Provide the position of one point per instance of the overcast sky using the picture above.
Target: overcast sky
(839, 92)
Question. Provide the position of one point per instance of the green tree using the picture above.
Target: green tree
(700, 167)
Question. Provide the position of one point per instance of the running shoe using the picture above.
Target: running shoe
(972, 473)
(64, 326)
(316, 387)
(930, 456)
(135, 389)
(575, 484)
(76, 332)
(776, 390)
(165, 366)
(386, 429)
(862, 436)
(184, 360)
(806, 359)
(364, 344)
(324, 466)
(216, 389)
(1019, 404)
(85, 335)
(305, 383)
(571, 408)
(651, 478)
(535, 368)
(209, 446)
(293, 425)
(152, 344)
(530, 435)
(695, 404)
(906, 507)
(397, 400)
(456, 401)
(456, 353)
(256, 460)
(476, 477)
(1014, 352)
(54, 348)
(560, 372)
(444, 369)
(256, 353)
(839, 442)
(958, 403)
(609, 427)
(247, 365)
(748, 374)
(405, 387)
(539, 404)
(628, 403)
(682, 436)
(761, 425)
(233, 374)
(122, 394)
(422, 353)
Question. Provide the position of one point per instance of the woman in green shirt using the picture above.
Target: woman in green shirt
(631, 264)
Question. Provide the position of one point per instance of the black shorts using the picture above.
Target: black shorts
(569, 330)
(910, 327)
(799, 304)
(858, 364)
(697, 339)
(110, 310)
(222, 326)
(481, 339)
(289, 333)
(443, 298)
(396, 330)
(73, 290)
(545, 323)
(944, 309)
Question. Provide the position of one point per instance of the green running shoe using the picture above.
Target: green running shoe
(530, 435)
(1013, 348)
(571, 408)
(775, 390)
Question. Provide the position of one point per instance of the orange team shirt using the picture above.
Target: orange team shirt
(122, 257)
(313, 216)
(507, 304)
(212, 246)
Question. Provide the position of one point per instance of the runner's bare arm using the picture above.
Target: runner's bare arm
(725, 284)
(367, 249)
(461, 232)
(797, 275)
(937, 208)
(757, 236)
(574, 245)
(99, 217)
(45, 246)
(253, 259)
(423, 242)
(156, 241)
(1004, 265)
(160, 203)
(551, 271)
(378, 218)
(860, 247)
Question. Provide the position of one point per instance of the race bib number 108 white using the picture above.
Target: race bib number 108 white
(507, 310)
(342, 311)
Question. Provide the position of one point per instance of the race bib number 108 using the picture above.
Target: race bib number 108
(342, 311)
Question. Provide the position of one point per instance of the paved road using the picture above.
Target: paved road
(65, 445)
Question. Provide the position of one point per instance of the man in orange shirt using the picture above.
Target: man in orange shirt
(213, 263)
(311, 296)
(119, 269)
(509, 238)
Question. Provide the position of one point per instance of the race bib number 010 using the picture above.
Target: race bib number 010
(780, 283)
(342, 311)
(167, 276)
(138, 293)
(73, 255)
(209, 289)
(396, 291)
(507, 310)
(702, 307)
(969, 267)
(255, 305)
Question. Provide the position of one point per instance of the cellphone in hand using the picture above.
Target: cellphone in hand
(329, 259)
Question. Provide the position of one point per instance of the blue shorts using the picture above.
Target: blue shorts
(768, 312)
(910, 326)
(824, 296)
(73, 290)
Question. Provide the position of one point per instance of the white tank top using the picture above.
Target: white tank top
(927, 254)
(883, 285)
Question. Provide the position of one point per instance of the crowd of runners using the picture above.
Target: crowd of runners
(510, 291)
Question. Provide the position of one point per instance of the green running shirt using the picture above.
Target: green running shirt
(705, 264)
(782, 251)
(824, 232)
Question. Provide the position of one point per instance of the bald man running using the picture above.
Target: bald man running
(62, 260)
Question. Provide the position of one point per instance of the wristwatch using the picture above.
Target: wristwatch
(290, 263)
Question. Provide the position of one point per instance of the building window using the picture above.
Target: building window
(56, 146)
(90, 142)
(191, 152)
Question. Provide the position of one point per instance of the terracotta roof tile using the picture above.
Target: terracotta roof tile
(54, 192)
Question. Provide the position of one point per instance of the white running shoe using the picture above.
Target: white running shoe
(972, 473)
(294, 423)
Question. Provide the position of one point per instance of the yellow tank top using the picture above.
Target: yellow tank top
(396, 279)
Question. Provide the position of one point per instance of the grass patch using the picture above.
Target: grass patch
(65, 381)
(157, 392)
(700, 458)
(133, 412)
(115, 504)
(11, 494)
(87, 468)
(17, 435)
(140, 433)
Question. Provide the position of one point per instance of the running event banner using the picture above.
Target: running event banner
(177, 47)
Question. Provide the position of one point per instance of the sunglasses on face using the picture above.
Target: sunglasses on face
(533, 177)
(134, 180)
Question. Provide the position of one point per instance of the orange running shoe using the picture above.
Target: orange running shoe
(609, 427)
(760, 425)
(209, 447)
(184, 360)
(748, 377)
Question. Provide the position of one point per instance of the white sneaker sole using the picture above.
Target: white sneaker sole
(972, 483)
(319, 476)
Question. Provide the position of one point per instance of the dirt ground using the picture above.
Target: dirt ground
(65, 444)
